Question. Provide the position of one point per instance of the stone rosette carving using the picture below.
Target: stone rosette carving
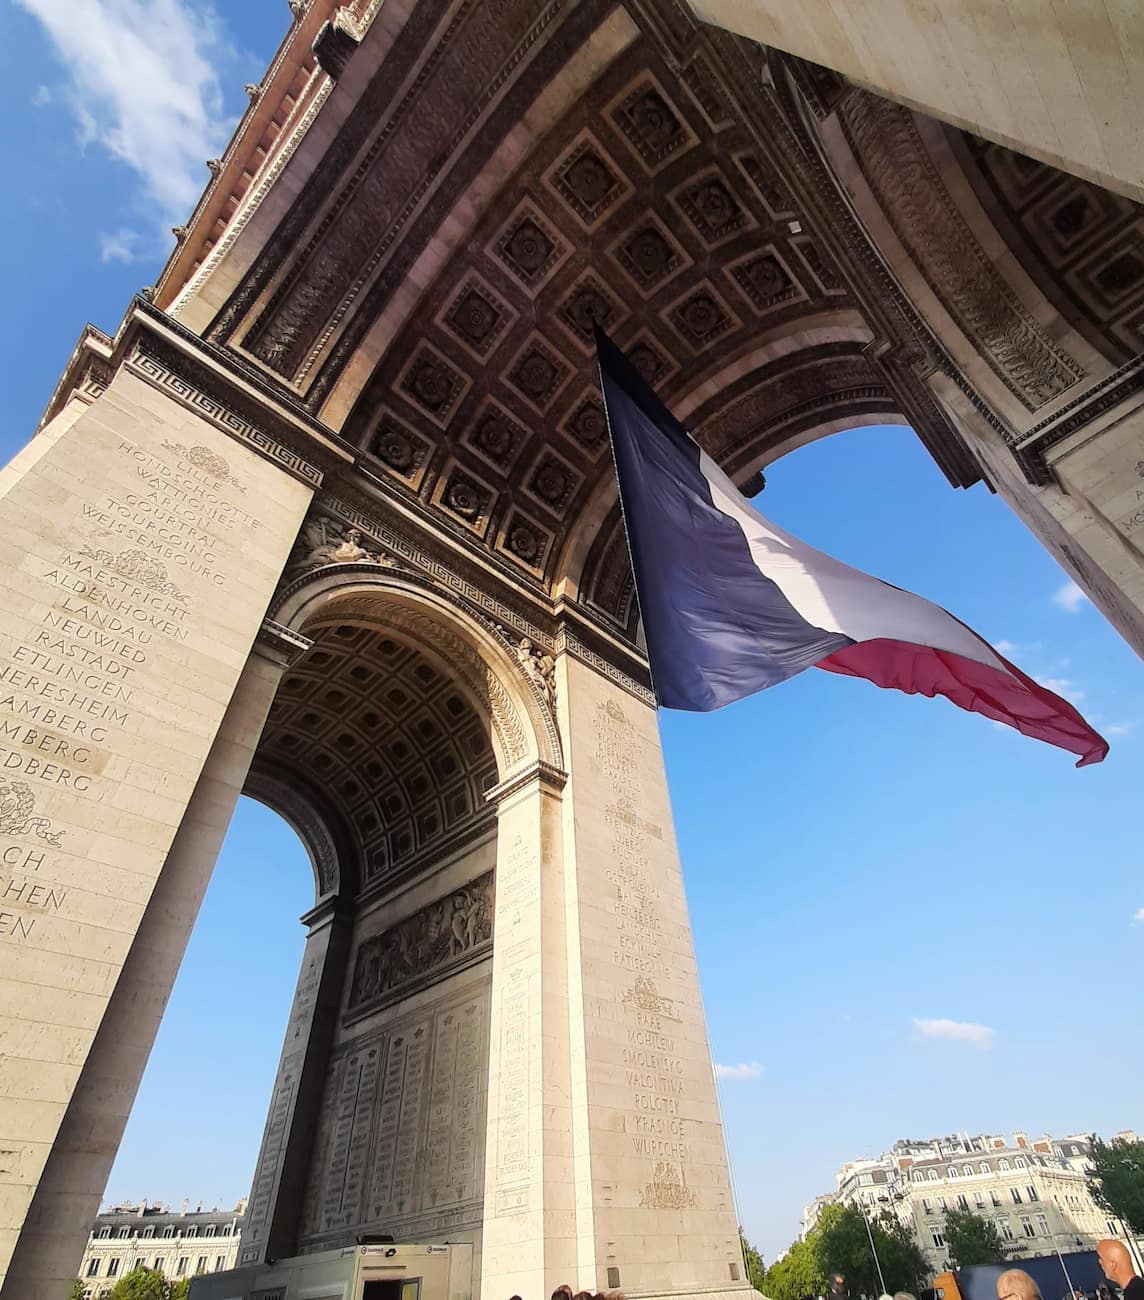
(138, 567)
(429, 941)
(18, 814)
(206, 460)
(667, 1191)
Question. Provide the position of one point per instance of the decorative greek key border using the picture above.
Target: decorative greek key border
(221, 416)
(570, 642)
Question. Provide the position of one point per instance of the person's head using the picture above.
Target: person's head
(562, 1292)
(582, 1295)
(1115, 1261)
(1016, 1284)
(903, 1295)
(837, 1284)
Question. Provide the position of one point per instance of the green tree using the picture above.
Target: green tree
(795, 1275)
(755, 1266)
(180, 1290)
(842, 1245)
(972, 1239)
(77, 1290)
(1117, 1179)
(141, 1284)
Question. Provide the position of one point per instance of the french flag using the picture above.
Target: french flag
(731, 603)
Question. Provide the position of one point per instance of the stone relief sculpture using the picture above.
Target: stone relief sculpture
(540, 667)
(666, 1191)
(329, 541)
(17, 813)
(422, 943)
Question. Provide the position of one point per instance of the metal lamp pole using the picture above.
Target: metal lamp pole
(873, 1248)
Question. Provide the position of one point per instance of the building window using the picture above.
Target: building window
(93, 1268)
(113, 1266)
(1027, 1226)
(1043, 1225)
(995, 1197)
(210, 1230)
(201, 1266)
(927, 1205)
(938, 1239)
(104, 1232)
(148, 1232)
(169, 1230)
(181, 1267)
(190, 1231)
(1003, 1228)
(1021, 1162)
(979, 1200)
(1015, 1193)
(967, 1170)
(220, 1260)
(933, 1175)
(919, 1175)
(124, 1232)
(1032, 1193)
(941, 1205)
(158, 1265)
(953, 1172)
(962, 1203)
(1003, 1164)
(983, 1167)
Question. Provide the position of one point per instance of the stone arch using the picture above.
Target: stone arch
(482, 653)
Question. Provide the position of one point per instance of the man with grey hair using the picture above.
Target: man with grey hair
(1016, 1284)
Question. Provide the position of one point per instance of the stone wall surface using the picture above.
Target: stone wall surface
(1059, 82)
(140, 547)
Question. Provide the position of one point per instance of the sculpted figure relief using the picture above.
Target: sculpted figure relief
(328, 541)
(424, 941)
(540, 667)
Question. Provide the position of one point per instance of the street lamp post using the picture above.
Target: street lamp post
(873, 1248)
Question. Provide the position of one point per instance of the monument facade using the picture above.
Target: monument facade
(331, 520)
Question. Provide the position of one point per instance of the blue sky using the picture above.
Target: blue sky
(909, 921)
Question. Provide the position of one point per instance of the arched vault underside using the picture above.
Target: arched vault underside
(415, 231)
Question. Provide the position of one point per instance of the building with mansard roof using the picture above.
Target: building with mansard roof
(178, 1245)
(1034, 1189)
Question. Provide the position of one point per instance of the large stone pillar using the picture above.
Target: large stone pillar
(140, 548)
(283, 1170)
(530, 1204)
(652, 1173)
(606, 1166)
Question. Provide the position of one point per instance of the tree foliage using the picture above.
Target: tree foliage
(842, 1245)
(1117, 1179)
(972, 1239)
(796, 1275)
(77, 1290)
(755, 1266)
(144, 1283)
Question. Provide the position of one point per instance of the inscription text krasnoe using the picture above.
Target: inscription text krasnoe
(73, 684)
(653, 1068)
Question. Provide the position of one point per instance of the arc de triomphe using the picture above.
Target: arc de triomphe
(330, 519)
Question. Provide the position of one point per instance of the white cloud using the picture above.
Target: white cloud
(42, 96)
(749, 1070)
(1063, 687)
(1139, 915)
(1118, 729)
(121, 246)
(1069, 597)
(956, 1031)
(1004, 647)
(142, 84)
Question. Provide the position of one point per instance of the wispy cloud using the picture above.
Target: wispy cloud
(748, 1070)
(1005, 647)
(956, 1031)
(1118, 729)
(123, 245)
(1069, 597)
(1139, 915)
(142, 84)
(1062, 686)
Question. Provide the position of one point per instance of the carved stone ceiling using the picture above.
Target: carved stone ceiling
(385, 738)
(650, 207)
